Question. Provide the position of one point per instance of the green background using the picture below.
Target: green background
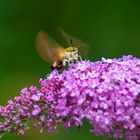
(115, 28)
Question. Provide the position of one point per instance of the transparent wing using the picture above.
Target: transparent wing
(72, 41)
(47, 47)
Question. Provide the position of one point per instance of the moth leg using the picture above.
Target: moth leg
(64, 62)
(79, 58)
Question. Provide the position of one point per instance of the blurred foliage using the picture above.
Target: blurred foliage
(115, 26)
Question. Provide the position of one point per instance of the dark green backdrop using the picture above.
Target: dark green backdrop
(115, 26)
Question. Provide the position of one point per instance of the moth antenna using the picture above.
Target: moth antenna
(71, 42)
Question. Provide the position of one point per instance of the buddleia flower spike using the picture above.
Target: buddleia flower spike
(106, 93)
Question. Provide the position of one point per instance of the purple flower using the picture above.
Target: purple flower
(106, 93)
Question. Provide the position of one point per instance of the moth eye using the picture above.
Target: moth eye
(75, 49)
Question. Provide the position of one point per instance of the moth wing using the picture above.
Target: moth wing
(48, 48)
(69, 40)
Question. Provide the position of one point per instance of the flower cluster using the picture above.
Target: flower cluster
(106, 93)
